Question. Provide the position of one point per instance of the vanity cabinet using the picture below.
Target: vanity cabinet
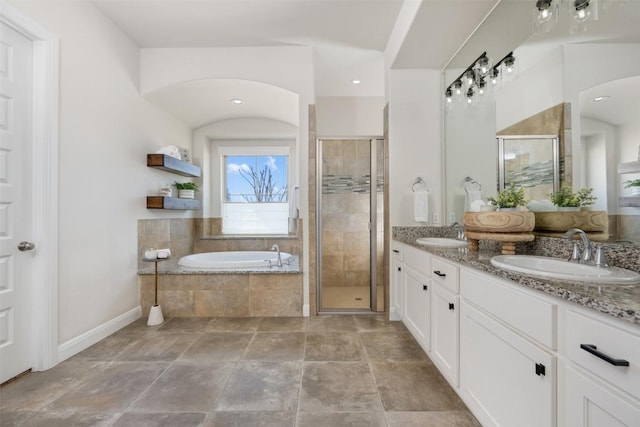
(445, 327)
(602, 378)
(417, 294)
(517, 356)
(507, 366)
(417, 318)
(396, 310)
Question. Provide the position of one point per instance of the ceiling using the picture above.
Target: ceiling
(351, 40)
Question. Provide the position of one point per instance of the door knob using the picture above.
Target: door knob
(26, 246)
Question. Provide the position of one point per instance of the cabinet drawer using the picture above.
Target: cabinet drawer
(532, 316)
(606, 340)
(445, 274)
(397, 250)
(419, 260)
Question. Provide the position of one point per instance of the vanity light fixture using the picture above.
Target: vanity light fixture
(468, 78)
(482, 86)
(582, 10)
(545, 11)
(469, 95)
(457, 86)
(494, 75)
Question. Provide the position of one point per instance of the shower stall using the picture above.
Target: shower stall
(350, 225)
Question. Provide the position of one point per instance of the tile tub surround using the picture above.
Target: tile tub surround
(619, 301)
(253, 292)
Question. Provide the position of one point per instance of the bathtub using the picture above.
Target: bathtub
(233, 260)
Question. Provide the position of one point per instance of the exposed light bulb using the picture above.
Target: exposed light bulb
(469, 96)
(237, 101)
(545, 12)
(470, 78)
(583, 11)
(457, 85)
(355, 81)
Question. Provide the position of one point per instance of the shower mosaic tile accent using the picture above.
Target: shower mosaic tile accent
(335, 184)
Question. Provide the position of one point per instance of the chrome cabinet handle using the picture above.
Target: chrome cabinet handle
(26, 246)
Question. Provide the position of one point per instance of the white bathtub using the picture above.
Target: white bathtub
(233, 260)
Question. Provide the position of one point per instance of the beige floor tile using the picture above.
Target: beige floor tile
(341, 419)
(248, 419)
(276, 346)
(338, 387)
(432, 419)
(216, 347)
(413, 386)
(262, 386)
(333, 346)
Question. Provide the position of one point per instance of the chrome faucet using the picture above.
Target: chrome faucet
(277, 248)
(576, 256)
(460, 229)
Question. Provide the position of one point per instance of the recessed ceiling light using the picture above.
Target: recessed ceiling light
(237, 101)
(600, 98)
(355, 81)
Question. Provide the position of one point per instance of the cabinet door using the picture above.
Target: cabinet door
(417, 299)
(445, 337)
(589, 404)
(504, 378)
(397, 291)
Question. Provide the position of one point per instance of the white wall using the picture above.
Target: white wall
(534, 89)
(105, 131)
(599, 151)
(415, 141)
(349, 115)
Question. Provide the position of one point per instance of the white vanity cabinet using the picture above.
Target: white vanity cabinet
(445, 319)
(396, 311)
(602, 375)
(417, 295)
(507, 378)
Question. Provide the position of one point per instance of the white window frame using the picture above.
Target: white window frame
(247, 148)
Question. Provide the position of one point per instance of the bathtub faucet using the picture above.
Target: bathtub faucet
(277, 248)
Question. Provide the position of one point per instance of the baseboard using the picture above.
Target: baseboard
(393, 315)
(89, 338)
(305, 310)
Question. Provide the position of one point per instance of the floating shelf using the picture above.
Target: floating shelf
(629, 202)
(629, 167)
(173, 165)
(159, 202)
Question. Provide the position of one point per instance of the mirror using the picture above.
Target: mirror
(558, 74)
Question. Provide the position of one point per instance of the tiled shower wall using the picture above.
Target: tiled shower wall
(345, 214)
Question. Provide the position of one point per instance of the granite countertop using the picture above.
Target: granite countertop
(171, 267)
(620, 301)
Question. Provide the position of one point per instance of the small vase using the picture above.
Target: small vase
(635, 191)
(568, 208)
(186, 194)
(508, 209)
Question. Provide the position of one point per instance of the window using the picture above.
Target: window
(256, 191)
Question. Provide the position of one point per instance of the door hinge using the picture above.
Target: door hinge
(540, 369)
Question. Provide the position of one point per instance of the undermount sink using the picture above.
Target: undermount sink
(556, 268)
(442, 242)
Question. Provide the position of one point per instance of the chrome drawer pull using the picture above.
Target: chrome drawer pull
(590, 348)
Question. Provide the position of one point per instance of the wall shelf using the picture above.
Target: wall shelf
(159, 202)
(629, 167)
(173, 165)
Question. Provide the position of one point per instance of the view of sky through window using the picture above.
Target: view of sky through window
(256, 179)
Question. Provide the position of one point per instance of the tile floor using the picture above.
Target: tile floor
(350, 297)
(323, 371)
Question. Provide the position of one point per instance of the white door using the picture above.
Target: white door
(15, 203)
